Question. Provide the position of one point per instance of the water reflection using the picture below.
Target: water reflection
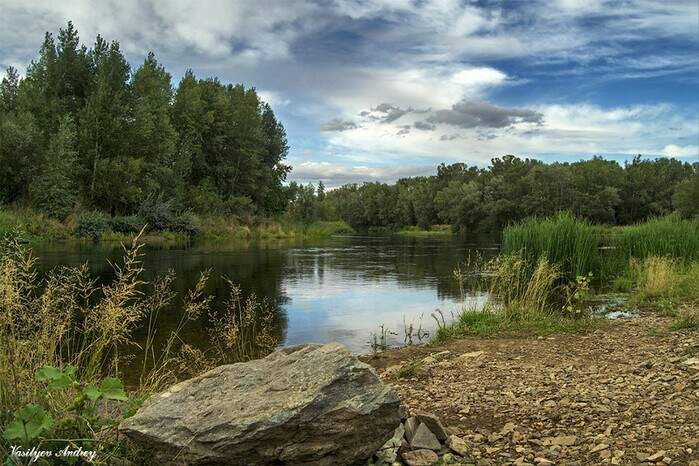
(339, 289)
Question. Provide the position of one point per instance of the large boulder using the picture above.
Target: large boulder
(311, 405)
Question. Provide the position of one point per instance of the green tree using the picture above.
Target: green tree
(104, 131)
(53, 190)
(153, 136)
(686, 197)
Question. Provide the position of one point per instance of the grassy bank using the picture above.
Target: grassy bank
(433, 231)
(31, 226)
(66, 342)
(549, 267)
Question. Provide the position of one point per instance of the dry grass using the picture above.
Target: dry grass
(66, 319)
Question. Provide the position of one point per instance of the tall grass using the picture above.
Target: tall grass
(668, 236)
(566, 242)
(68, 321)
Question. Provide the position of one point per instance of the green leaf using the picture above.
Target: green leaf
(113, 389)
(29, 422)
(58, 378)
(48, 373)
(92, 392)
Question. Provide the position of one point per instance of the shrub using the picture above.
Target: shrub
(185, 222)
(128, 224)
(156, 212)
(92, 224)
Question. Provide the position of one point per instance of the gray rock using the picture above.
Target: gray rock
(434, 424)
(420, 457)
(424, 439)
(411, 425)
(388, 453)
(312, 405)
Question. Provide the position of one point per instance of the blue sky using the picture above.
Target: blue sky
(379, 89)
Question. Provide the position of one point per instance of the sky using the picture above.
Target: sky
(375, 90)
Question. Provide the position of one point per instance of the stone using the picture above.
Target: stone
(312, 404)
(424, 439)
(420, 457)
(458, 445)
(392, 371)
(543, 461)
(433, 423)
(507, 428)
(411, 425)
(656, 456)
(388, 453)
(562, 440)
(600, 447)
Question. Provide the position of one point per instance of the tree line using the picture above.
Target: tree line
(83, 131)
(470, 198)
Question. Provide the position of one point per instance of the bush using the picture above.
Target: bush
(156, 212)
(185, 222)
(160, 216)
(92, 224)
(126, 224)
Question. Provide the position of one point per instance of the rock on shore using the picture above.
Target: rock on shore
(312, 404)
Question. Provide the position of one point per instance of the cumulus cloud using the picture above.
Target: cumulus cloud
(484, 114)
(338, 124)
(572, 130)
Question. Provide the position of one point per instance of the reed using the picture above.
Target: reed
(571, 245)
(668, 236)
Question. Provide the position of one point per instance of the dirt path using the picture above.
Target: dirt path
(627, 393)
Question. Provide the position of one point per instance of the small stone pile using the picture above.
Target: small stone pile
(422, 440)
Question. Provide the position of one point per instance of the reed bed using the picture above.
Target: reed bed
(568, 243)
(668, 236)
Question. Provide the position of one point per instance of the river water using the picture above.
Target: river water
(339, 289)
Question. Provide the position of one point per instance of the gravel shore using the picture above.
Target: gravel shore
(625, 393)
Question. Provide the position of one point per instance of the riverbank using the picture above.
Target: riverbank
(622, 393)
(31, 226)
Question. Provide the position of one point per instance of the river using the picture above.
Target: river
(338, 289)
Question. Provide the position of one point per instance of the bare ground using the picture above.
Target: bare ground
(625, 393)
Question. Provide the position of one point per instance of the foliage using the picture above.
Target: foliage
(129, 224)
(92, 224)
(512, 189)
(53, 191)
(82, 127)
(686, 197)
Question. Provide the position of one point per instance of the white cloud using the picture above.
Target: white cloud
(335, 174)
(672, 150)
(580, 130)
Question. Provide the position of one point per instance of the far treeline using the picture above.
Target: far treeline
(83, 131)
(84, 137)
(511, 189)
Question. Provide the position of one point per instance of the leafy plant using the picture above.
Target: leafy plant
(29, 422)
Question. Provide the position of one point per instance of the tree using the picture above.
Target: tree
(153, 136)
(104, 130)
(53, 190)
(9, 88)
(686, 197)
